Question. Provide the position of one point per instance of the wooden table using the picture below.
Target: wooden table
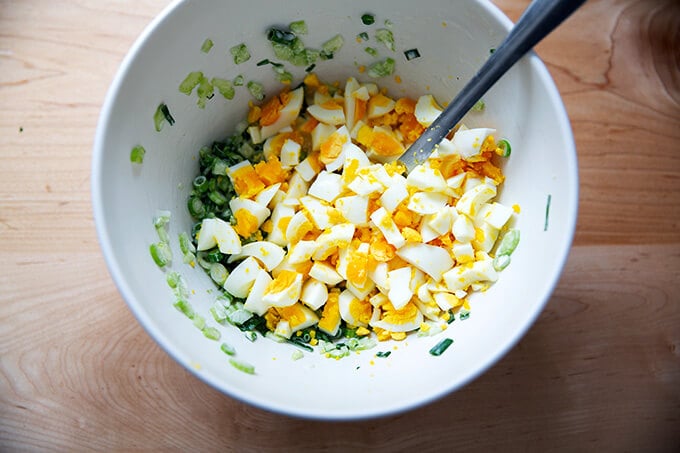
(600, 370)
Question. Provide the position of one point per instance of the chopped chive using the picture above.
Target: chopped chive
(492, 50)
(368, 19)
(509, 242)
(310, 68)
(240, 53)
(300, 344)
(21, 129)
(199, 321)
(161, 116)
(363, 36)
(207, 45)
(388, 23)
(218, 312)
(505, 147)
(256, 90)
(299, 27)
(411, 54)
(464, 315)
(161, 253)
(190, 82)
(250, 335)
(547, 212)
(440, 347)
(371, 51)
(278, 36)
(238, 80)
(228, 349)
(204, 91)
(185, 308)
(224, 86)
(383, 354)
(137, 154)
(386, 37)
(333, 45)
(381, 68)
(172, 279)
(218, 273)
(211, 333)
(242, 366)
(479, 106)
(500, 262)
(263, 62)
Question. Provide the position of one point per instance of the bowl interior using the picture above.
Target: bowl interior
(453, 39)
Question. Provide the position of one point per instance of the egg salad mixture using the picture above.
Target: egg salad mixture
(315, 231)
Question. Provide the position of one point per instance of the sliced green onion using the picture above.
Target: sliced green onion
(250, 335)
(199, 321)
(452, 317)
(211, 333)
(263, 62)
(411, 54)
(207, 45)
(238, 81)
(509, 242)
(219, 167)
(363, 36)
(505, 147)
(242, 366)
(278, 36)
(386, 37)
(297, 355)
(383, 354)
(137, 154)
(333, 45)
(218, 273)
(479, 106)
(185, 307)
(240, 316)
(228, 349)
(204, 91)
(200, 183)
(492, 50)
(256, 90)
(501, 262)
(547, 212)
(464, 315)
(440, 347)
(225, 87)
(371, 51)
(218, 312)
(172, 279)
(274, 337)
(368, 19)
(299, 27)
(388, 23)
(214, 256)
(381, 68)
(217, 197)
(297, 342)
(196, 207)
(190, 82)
(240, 53)
(162, 116)
(159, 223)
(161, 253)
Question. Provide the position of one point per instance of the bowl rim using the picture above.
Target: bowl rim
(116, 272)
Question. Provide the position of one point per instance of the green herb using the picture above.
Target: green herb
(137, 154)
(300, 344)
(501, 262)
(298, 27)
(310, 68)
(371, 51)
(190, 82)
(218, 312)
(199, 321)
(218, 273)
(509, 242)
(161, 116)
(211, 333)
(383, 354)
(381, 68)
(297, 355)
(256, 90)
(547, 212)
(388, 23)
(333, 45)
(452, 317)
(278, 36)
(161, 253)
(204, 91)
(185, 307)
(227, 349)
(250, 335)
(363, 36)
(187, 247)
(368, 19)
(238, 81)
(464, 315)
(242, 366)
(21, 129)
(479, 107)
(263, 62)
(505, 147)
(492, 50)
(240, 53)
(411, 54)
(225, 87)
(440, 347)
(386, 37)
(207, 45)
(160, 222)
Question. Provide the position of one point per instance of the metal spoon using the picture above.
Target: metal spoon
(539, 19)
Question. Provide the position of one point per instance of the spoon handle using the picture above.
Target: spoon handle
(539, 19)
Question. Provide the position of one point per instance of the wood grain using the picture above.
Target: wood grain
(600, 370)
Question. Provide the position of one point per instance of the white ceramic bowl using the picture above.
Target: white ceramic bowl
(454, 39)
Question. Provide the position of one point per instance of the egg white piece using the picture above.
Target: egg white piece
(290, 154)
(336, 236)
(395, 193)
(327, 113)
(379, 276)
(351, 86)
(302, 251)
(284, 297)
(400, 289)
(218, 232)
(446, 148)
(325, 273)
(342, 134)
(253, 207)
(320, 134)
(462, 276)
(495, 214)
(297, 187)
(363, 184)
(463, 229)
(314, 293)
(354, 209)
(383, 221)
(441, 221)
(241, 279)
(278, 233)
(327, 186)
(287, 114)
(473, 199)
(485, 237)
(267, 195)
(379, 105)
(294, 318)
(345, 302)
(405, 326)
(268, 253)
(469, 142)
(427, 202)
(456, 182)
(446, 301)
(427, 233)
(318, 210)
(296, 228)
(463, 252)
(432, 260)
(306, 169)
(254, 301)
(426, 179)
(427, 110)
(361, 291)
(353, 152)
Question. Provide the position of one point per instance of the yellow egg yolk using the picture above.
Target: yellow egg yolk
(357, 268)
(282, 282)
(246, 182)
(330, 318)
(246, 223)
(332, 147)
(386, 144)
(293, 314)
(271, 172)
(361, 310)
(397, 317)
